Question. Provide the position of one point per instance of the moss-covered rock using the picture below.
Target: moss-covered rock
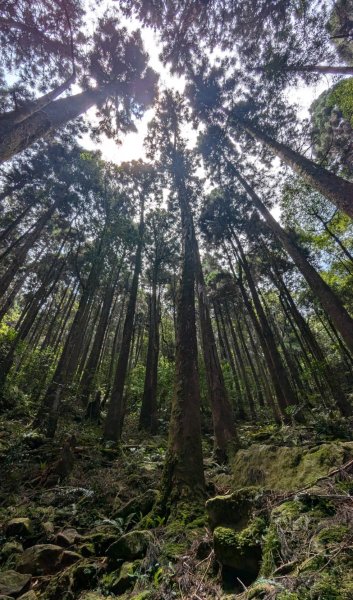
(40, 560)
(13, 583)
(131, 545)
(83, 575)
(19, 527)
(11, 549)
(125, 580)
(287, 468)
(240, 550)
(232, 510)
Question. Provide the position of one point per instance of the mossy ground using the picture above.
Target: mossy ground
(305, 539)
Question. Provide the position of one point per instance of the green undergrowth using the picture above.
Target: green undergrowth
(269, 502)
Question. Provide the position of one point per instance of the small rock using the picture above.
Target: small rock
(11, 548)
(126, 578)
(31, 595)
(131, 545)
(19, 527)
(67, 537)
(69, 558)
(48, 528)
(40, 560)
(13, 583)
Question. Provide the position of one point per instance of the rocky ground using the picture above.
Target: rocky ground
(78, 521)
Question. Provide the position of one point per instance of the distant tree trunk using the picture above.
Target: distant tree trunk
(183, 471)
(288, 393)
(241, 363)
(90, 368)
(21, 252)
(6, 232)
(230, 360)
(225, 436)
(328, 299)
(331, 382)
(48, 412)
(149, 411)
(116, 408)
(338, 190)
(10, 299)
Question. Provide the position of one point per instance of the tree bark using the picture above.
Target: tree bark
(183, 471)
(149, 411)
(50, 118)
(116, 408)
(327, 298)
(338, 190)
(225, 435)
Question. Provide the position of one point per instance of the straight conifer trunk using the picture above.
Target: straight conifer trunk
(338, 190)
(21, 135)
(148, 415)
(183, 471)
(116, 408)
(225, 436)
(328, 299)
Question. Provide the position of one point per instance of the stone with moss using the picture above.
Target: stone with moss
(240, 550)
(11, 549)
(126, 578)
(13, 583)
(287, 468)
(19, 527)
(232, 510)
(131, 545)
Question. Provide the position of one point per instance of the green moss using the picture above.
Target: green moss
(325, 589)
(333, 534)
(287, 468)
(270, 551)
(287, 596)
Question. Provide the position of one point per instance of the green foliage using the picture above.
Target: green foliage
(342, 96)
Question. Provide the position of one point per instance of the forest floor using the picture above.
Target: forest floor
(77, 519)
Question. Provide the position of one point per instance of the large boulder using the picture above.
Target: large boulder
(131, 545)
(284, 468)
(40, 560)
(19, 527)
(13, 583)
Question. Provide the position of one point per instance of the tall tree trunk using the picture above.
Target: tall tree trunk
(148, 414)
(183, 471)
(53, 116)
(328, 299)
(48, 412)
(225, 436)
(116, 408)
(90, 368)
(21, 252)
(338, 190)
